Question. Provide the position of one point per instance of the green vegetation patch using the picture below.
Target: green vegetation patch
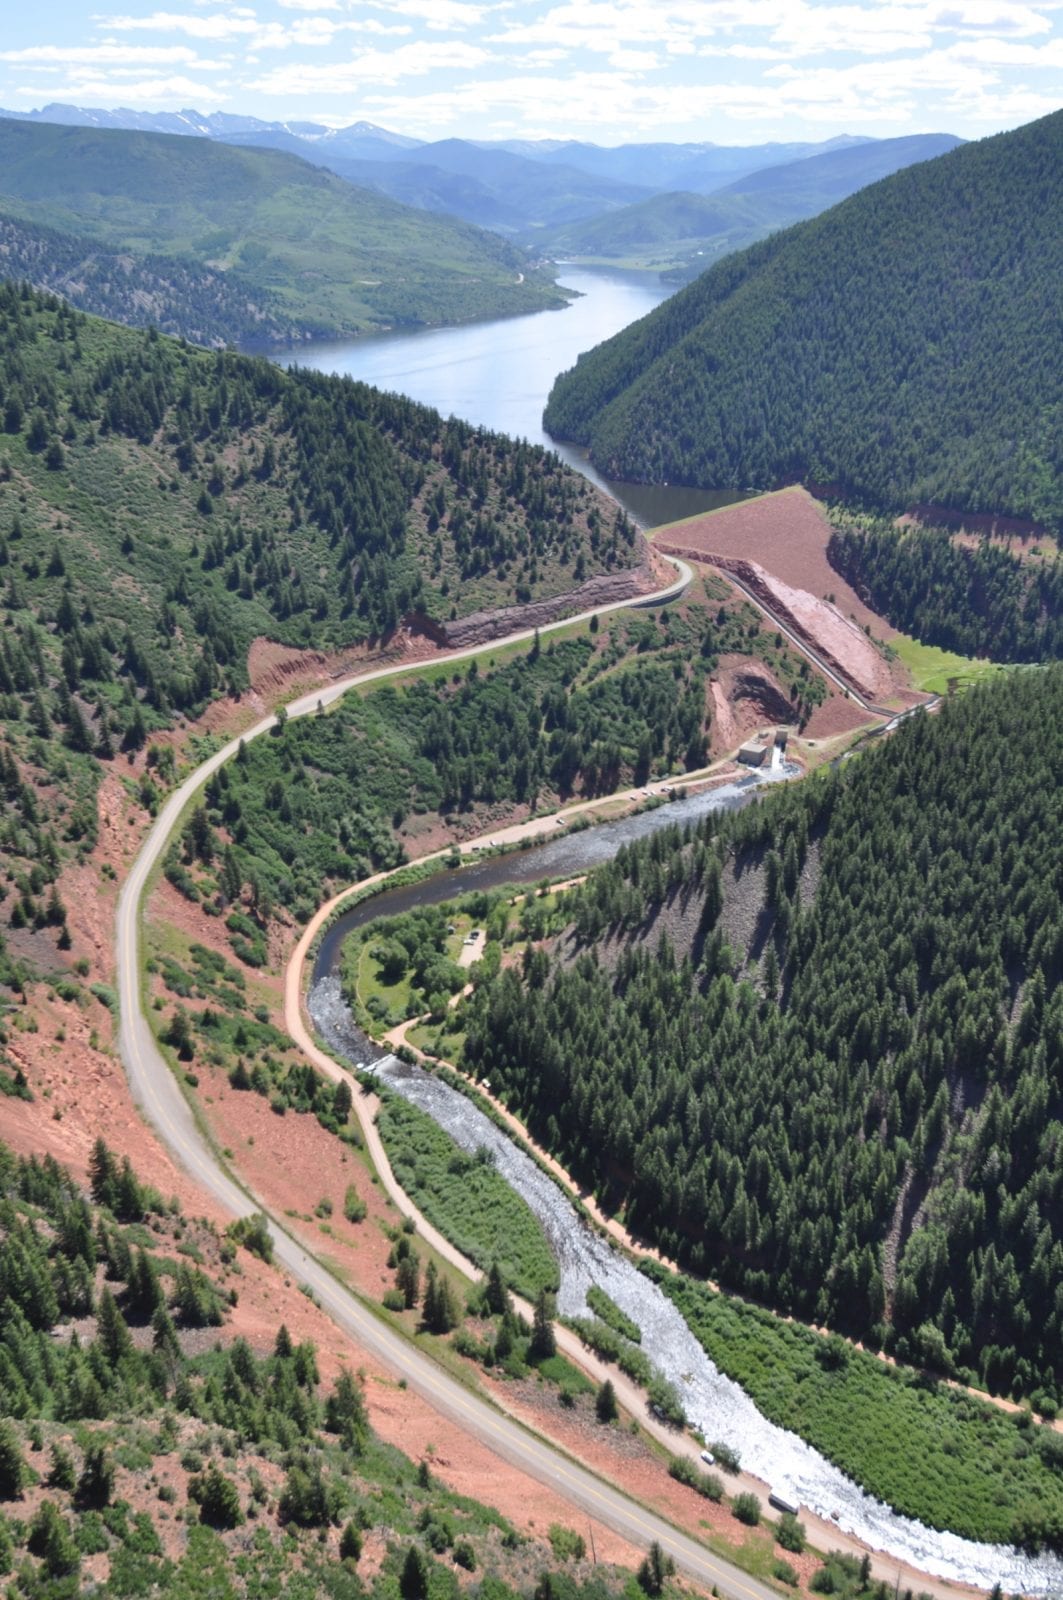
(466, 1199)
(262, 244)
(935, 670)
(929, 1450)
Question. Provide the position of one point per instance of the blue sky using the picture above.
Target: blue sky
(731, 71)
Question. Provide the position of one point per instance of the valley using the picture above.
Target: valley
(691, 897)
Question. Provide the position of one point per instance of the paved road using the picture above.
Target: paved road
(156, 1090)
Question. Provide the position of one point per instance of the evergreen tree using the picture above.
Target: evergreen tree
(605, 1405)
(13, 1470)
(543, 1343)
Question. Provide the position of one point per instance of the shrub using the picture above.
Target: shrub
(726, 1457)
(708, 1484)
(790, 1533)
(350, 1542)
(566, 1543)
(217, 1498)
(785, 1573)
(746, 1507)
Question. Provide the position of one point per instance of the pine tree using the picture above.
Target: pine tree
(408, 1278)
(496, 1296)
(96, 1482)
(655, 1569)
(112, 1332)
(49, 1538)
(413, 1582)
(13, 1471)
(543, 1341)
(61, 1474)
(605, 1405)
(350, 1542)
(218, 1498)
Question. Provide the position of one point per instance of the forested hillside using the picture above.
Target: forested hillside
(819, 1053)
(330, 257)
(195, 302)
(977, 598)
(161, 507)
(906, 346)
(147, 1449)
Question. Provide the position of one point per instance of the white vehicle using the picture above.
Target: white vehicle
(708, 1458)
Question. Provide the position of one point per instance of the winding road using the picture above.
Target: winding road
(156, 1091)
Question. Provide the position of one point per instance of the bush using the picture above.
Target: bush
(746, 1507)
(708, 1484)
(790, 1533)
(253, 1233)
(566, 1543)
(726, 1457)
(354, 1207)
(785, 1573)
(665, 1402)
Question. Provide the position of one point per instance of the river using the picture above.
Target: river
(498, 374)
(714, 1404)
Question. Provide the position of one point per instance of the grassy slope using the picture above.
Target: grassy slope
(335, 258)
(905, 345)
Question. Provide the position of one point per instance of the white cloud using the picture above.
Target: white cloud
(1004, 53)
(634, 60)
(238, 23)
(309, 5)
(371, 67)
(153, 93)
(448, 16)
(990, 16)
(103, 54)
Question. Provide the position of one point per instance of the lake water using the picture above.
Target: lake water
(498, 374)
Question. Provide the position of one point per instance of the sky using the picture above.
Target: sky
(611, 71)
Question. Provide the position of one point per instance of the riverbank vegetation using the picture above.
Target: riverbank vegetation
(466, 1198)
(929, 1450)
(137, 1459)
(872, 1143)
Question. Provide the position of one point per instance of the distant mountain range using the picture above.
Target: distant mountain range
(685, 232)
(541, 192)
(906, 345)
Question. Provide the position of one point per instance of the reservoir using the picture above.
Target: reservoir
(498, 374)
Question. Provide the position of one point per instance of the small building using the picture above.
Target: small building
(756, 753)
